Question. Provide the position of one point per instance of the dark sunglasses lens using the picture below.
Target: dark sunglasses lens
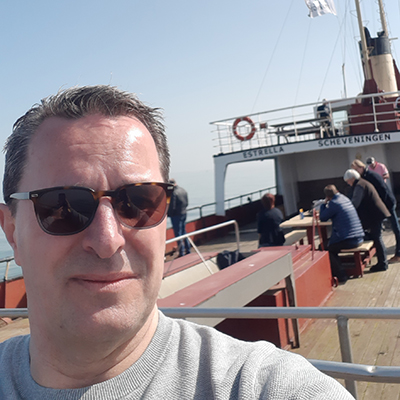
(141, 206)
(65, 211)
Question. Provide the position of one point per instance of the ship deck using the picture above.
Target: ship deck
(374, 342)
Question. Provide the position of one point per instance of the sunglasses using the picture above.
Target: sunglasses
(71, 209)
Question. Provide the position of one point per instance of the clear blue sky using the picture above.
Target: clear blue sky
(199, 60)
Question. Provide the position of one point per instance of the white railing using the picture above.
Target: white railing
(205, 230)
(299, 123)
(340, 370)
(345, 370)
(229, 203)
(8, 261)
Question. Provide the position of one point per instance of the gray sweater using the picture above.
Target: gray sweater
(184, 361)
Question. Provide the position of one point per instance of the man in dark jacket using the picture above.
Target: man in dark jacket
(387, 197)
(372, 211)
(347, 231)
(177, 213)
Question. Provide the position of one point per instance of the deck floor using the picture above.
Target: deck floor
(374, 342)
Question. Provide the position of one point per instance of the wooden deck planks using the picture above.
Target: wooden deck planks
(375, 342)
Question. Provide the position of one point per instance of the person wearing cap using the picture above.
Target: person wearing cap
(377, 167)
(177, 213)
(93, 282)
(371, 211)
(387, 197)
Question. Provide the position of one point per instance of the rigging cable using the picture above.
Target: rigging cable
(330, 60)
(272, 56)
(302, 61)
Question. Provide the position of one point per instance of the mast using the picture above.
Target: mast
(364, 48)
(378, 64)
(385, 31)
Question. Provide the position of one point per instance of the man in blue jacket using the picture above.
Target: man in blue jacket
(347, 231)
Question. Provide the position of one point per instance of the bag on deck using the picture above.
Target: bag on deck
(227, 258)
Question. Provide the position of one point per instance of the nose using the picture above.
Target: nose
(104, 236)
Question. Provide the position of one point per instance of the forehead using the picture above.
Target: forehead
(90, 150)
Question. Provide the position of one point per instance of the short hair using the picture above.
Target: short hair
(351, 173)
(370, 160)
(268, 201)
(330, 191)
(358, 163)
(75, 103)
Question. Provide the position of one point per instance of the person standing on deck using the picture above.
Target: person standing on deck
(268, 223)
(177, 213)
(347, 231)
(377, 167)
(387, 197)
(92, 282)
(371, 211)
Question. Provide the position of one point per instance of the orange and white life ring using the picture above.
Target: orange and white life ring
(252, 132)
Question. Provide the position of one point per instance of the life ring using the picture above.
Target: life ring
(252, 132)
(396, 103)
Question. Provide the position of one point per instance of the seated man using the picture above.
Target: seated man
(92, 283)
(372, 211)
(347, 231)
(268, 223)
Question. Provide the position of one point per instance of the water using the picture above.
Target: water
(6, 251)
(240, 179)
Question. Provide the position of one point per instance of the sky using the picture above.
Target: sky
(200, 61)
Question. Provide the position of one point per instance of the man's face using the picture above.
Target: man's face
(105, 279)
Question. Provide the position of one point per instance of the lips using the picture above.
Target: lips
(109, 282)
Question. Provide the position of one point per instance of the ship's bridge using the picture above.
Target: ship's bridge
(310, 143)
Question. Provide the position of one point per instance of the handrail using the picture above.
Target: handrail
(7, 260)
(358, 372)
(341, 314)
(268, 136)
(341, 370)
(358, 97)
(240, 197)
(208, 229)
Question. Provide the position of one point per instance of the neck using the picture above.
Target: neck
(77, 364)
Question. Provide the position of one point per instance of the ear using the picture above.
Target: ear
(7, 223)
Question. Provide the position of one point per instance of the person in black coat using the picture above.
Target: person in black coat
(268, 223)
(371, 211)
(387, 197)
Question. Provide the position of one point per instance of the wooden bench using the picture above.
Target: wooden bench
(296, 236)
(359, 257)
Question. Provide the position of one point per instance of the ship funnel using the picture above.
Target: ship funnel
(381, 61)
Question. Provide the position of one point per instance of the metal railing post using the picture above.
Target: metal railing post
(374, 112)
(345, 349)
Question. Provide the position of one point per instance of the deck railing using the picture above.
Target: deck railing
(300, 123)
(8, 261)
(198, 212)
(346, 369)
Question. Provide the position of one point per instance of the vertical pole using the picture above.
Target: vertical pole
(364, 49)
(374, 111)
(345, 349)
(383, 18)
